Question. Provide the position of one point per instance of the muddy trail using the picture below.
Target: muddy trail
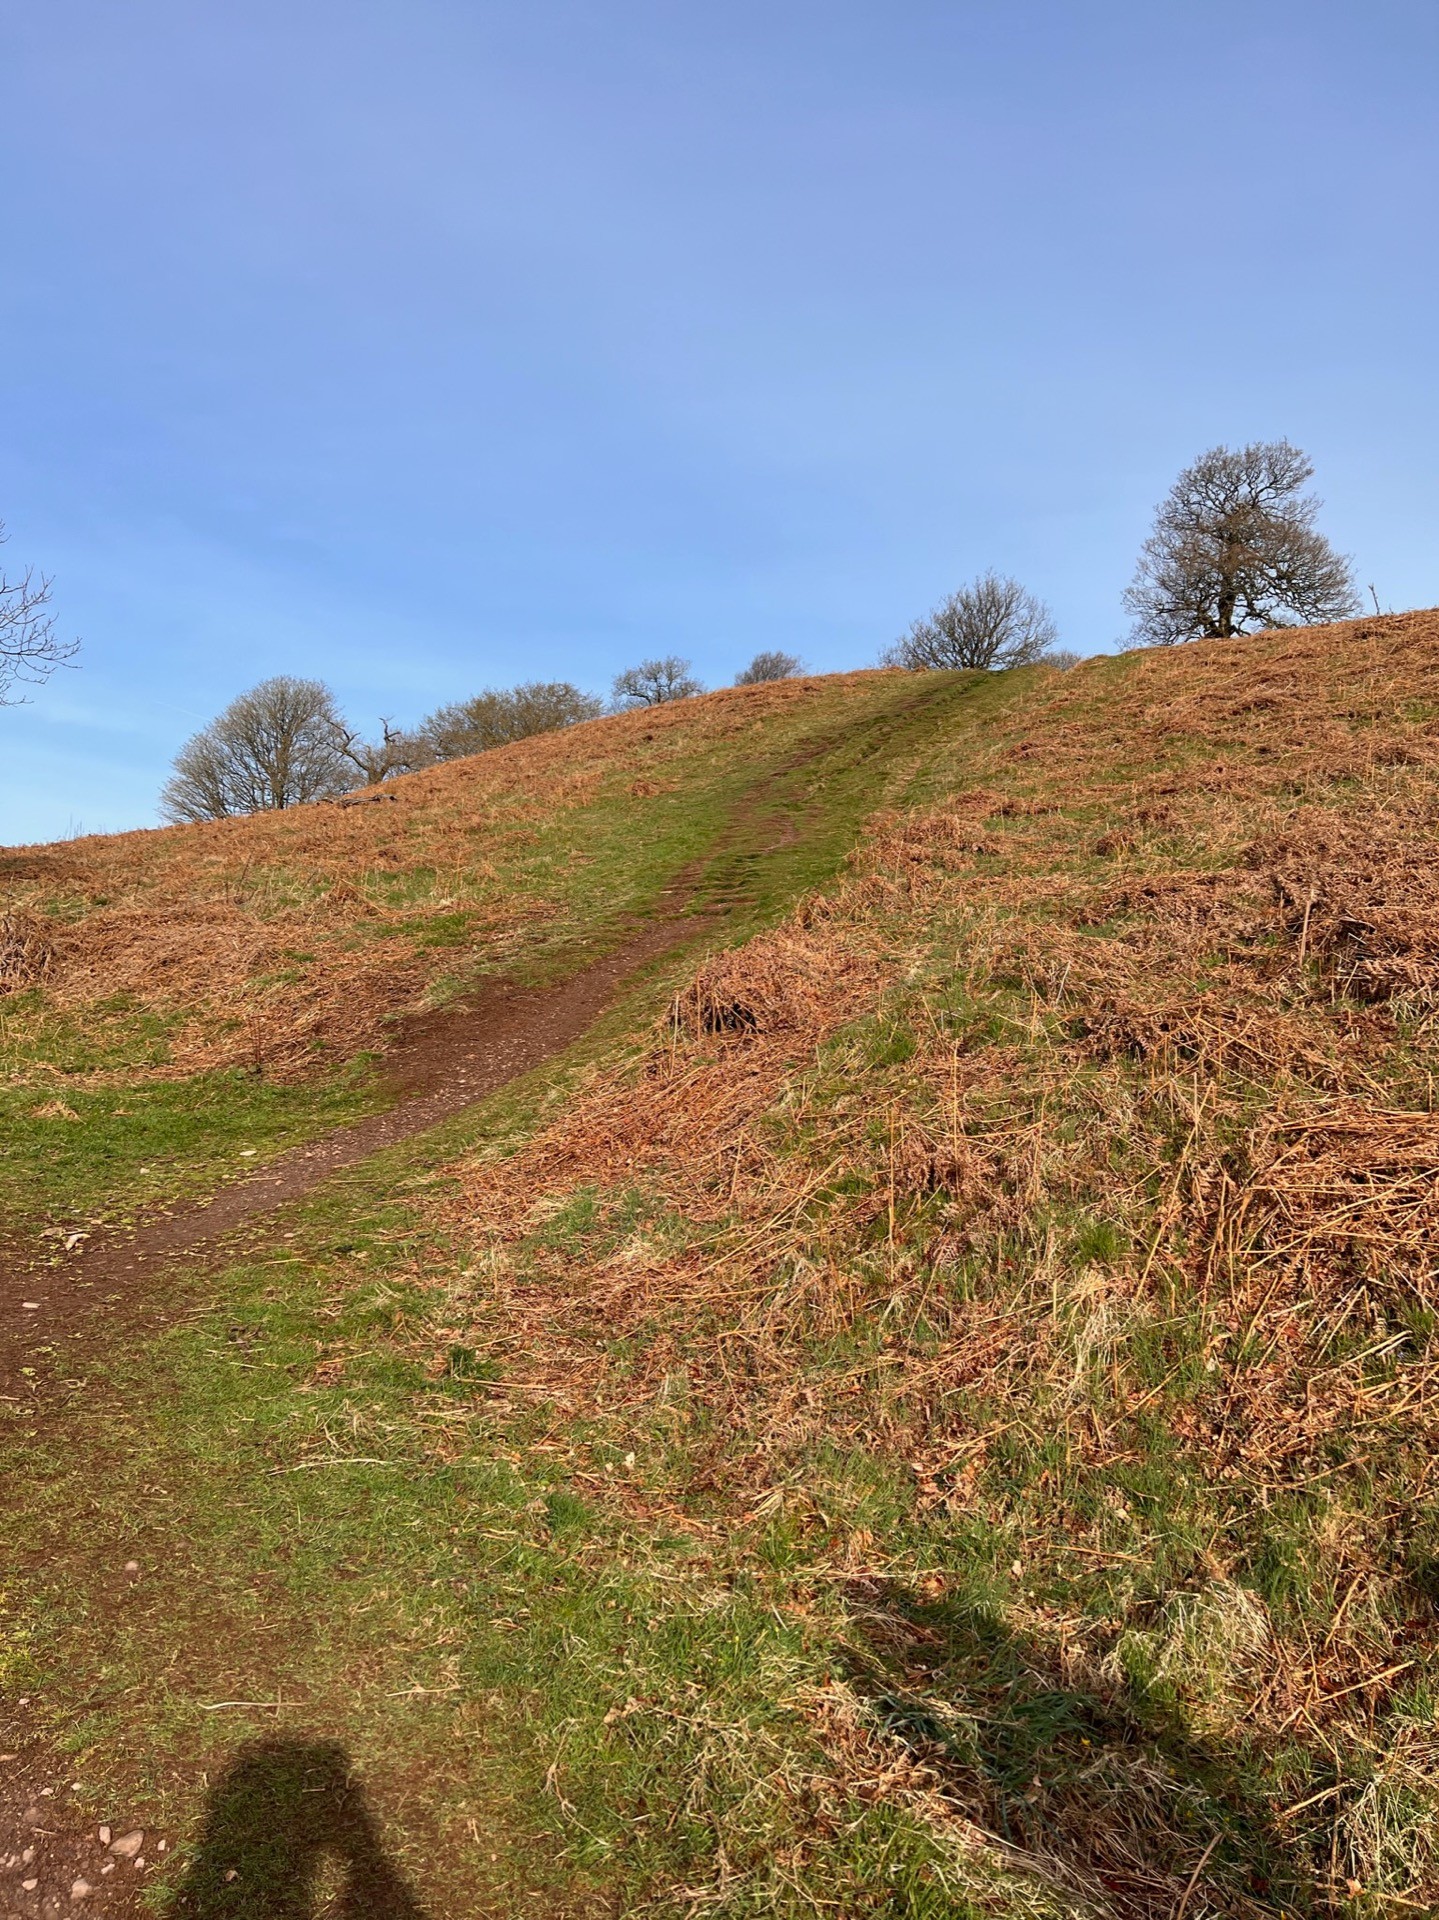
(438, 1065)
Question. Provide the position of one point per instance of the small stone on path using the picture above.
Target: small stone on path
(129, 1844)
(81, 1890)
(104, 1836)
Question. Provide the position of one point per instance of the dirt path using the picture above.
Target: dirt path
(440, 1064)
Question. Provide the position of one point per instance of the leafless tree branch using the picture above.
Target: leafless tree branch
(30, 648)
(992, 623)
(771, 665)
(499, 715)
(278, 745)
(653, 683)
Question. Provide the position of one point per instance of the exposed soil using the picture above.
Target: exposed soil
(50, 1861)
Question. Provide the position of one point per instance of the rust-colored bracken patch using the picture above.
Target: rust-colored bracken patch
(26, 952)
(1099, 1095)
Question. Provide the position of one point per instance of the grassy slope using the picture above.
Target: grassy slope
(944, 1427)
(160, 1449)
(216, 989)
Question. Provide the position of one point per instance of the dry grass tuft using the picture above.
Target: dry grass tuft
(26, 952)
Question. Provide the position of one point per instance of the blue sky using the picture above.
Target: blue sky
(428, 344)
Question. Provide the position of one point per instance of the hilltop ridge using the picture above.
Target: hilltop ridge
(322, 919)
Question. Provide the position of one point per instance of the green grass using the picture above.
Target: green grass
(113, 1151)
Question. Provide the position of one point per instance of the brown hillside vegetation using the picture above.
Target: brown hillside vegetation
(1031, 1247)
(289, 938)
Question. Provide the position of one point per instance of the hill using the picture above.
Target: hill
(242, 975)
(929, 1411)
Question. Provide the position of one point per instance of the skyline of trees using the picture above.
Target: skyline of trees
(1233, 548)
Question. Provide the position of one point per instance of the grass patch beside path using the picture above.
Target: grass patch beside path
(91, 1155)
(553, 1704)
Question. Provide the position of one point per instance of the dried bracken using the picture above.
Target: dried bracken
(1088, 1127)
(25, 952)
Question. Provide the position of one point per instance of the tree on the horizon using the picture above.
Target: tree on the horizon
(1234, 549)
(771, 664)
(992, 623)
(499, 715)
(654, 683)
(278, 745)
(30, 648)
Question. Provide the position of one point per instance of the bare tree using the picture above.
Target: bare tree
(30, 648)
(394, 752)
(992, 623)
(772, 665)
(278, 745)
(1234, 548)
(498, 715)
(655, 682)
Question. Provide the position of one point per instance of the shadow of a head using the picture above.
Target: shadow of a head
(288, 1836)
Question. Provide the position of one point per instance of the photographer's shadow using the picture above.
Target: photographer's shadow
(288, 1836)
